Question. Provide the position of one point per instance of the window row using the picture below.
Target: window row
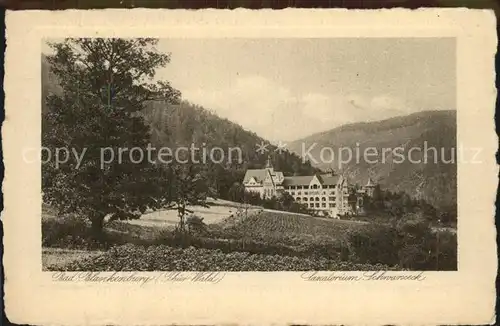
(331, 198)
(311, 187)
(307, 193)
(269, 192)
(323, 205)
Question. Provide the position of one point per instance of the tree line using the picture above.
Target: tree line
(387, 205)
(102, 93)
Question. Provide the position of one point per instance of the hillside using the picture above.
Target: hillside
(434, 181)
(185, 124)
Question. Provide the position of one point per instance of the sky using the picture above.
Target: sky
(286, 89)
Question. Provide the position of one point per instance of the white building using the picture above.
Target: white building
(327, 194)
(266, 182)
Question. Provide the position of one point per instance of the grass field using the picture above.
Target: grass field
(251, 235)
(222, 214)
(217, 211)
(146, 229)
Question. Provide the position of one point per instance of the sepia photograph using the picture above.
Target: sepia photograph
(332, 154)
(219, 167)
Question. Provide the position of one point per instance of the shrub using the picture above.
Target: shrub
(251, 245)
(65, 232)
(196, 225)
(377, 244)
(409, 242)
(73, 232)
(443, 251)
(164, 258)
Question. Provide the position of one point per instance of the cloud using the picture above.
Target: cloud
(276, 113)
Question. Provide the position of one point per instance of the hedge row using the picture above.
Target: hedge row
(74, 233)
(164, 258)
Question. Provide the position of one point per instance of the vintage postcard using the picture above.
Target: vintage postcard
(250, 167)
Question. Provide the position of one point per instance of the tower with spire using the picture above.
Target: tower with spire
(269, 165)
(369, 187)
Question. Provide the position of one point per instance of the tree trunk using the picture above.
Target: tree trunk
(182, 211)
(97, 225)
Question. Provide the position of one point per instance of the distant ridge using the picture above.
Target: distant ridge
(435, 182)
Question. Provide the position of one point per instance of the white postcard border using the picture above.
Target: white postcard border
(466, 296)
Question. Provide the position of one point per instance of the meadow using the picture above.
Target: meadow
(232, 237)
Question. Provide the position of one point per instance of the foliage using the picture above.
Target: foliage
(164, 258)
(195, 225)
(283, 202)
(434, 181)
(105, 84)
(96, 85)
(69, 232)
(236, 193)
(448, 215)
(374, 244)
(227, 242)
(73, 232)
(187, 123)
(183, 185)
(408, 242)
(443, 256)
(56, 258)
(387, 205)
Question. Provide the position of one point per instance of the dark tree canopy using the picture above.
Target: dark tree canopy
(105, 84)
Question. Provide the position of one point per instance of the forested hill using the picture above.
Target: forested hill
(186, 124)
(434, 181)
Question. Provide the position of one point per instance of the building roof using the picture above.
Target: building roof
(278, 175)
(261, 174)
(298, 180)
(324, 179)
(258, 174)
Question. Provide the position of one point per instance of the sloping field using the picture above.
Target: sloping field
(217, 211)
(279, 225)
